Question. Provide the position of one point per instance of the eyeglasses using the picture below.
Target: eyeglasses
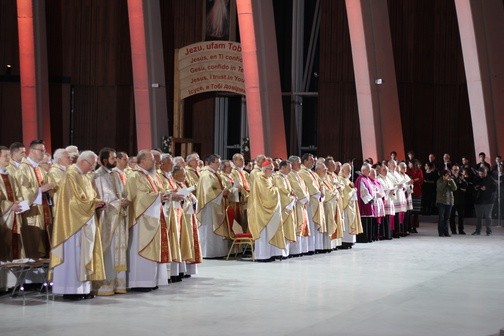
(89, 163)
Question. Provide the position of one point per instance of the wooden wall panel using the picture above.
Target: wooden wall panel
(431, 79)
(89, 50)
(338, 119)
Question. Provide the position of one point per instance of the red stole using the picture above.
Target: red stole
(122, 177)
(165, 250)
(45, 198)
(178, 212)
(245, 183)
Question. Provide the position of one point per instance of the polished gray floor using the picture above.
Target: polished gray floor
(418, 285)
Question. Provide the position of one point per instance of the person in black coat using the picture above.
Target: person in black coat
(459, 200)
(484, 188)
(429, 189)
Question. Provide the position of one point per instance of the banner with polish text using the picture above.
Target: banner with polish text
(210, 66)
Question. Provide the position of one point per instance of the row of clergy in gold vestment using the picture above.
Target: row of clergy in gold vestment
(46, 208)
(235, 184)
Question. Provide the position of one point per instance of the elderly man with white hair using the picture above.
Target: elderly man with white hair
(211, 212)
(179, 161)
(76, 255)
(73, 152)
(148, 243)
(316, 215)
(353, 225)
(242, 178)
(302, 198)
(192, 169)
(334, 220)
(58, 170)
(265, 216)
(365, 196)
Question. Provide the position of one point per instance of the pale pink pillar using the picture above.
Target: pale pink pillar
(373, 59)
(35, 114)
(262, 78)
(481, 26)
(140, 74)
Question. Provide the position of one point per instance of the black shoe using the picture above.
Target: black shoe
(462, 233)
(447, 235)
(141, 289)
(175, 278)
(74, 297)
(187, 276)
(489, 233)
(454, 233)
(475, 233)
(89, 296)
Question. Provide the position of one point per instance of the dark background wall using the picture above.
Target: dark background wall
(182, 24)
(90, 66)
(430, 78)
(91, 94)
(338, 118)
(10, 95)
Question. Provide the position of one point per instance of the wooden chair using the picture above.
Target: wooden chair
(238, 239)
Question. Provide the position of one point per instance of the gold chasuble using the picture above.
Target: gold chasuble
(209, 193)
(192, 176)
(30, 178)
(189, 226)
(242, 177)
(74, 210)
(55, 176)
(10, 222)
(146, 211)
(302, 196)
(113, 218)
(315, 190)
(350, 206)
(288, 204)
(253, 174)
(264, 212)
(179, 235)
(333, 214)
